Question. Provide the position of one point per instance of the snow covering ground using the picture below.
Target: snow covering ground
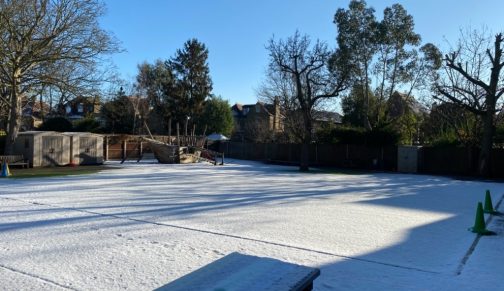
(142, 225)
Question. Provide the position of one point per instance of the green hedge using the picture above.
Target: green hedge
(358, 136)
(60, 124)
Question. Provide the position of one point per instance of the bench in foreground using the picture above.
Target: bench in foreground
(243, 272)
(15, 160)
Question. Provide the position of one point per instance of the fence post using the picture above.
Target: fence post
(124, 147)
(140, 151)
(106, 147)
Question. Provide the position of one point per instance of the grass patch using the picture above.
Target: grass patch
(56, 171)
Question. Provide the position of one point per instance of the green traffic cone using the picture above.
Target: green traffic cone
(479, 224)
(488, 204)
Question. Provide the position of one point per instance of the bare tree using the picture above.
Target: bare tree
(278, 87)
(315, 72)
(55, 43)
(473, 80)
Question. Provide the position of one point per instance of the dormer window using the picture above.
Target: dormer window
(80, 108)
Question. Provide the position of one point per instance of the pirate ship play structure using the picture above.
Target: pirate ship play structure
(182, 150)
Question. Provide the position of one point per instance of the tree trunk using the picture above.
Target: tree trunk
(366, 123)
(14, 119)
(304, 161)
(486, 144)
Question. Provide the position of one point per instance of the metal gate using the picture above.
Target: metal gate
(52, 150)
(87, 150)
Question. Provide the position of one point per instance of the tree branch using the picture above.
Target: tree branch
(450, 62)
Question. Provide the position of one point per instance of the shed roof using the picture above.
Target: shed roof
(69, 133)
(39, 133)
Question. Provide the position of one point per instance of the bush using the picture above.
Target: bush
(499, 135)
(87, 124)
(2, 143)
(358, 136)
(60, 124)
(446, 140)
(383, 136)
(349, 135)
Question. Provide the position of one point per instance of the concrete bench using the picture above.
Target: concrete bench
(15, 160)
(238, 272)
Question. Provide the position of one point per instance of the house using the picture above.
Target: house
(81, 107)
(399, 104)
(256, 121)
(33, 112)
(322, 117)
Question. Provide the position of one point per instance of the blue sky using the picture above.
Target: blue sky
(236, 31)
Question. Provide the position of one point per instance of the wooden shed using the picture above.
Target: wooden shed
(85, 148)
(43, 148)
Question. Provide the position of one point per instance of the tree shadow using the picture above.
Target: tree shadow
(423, 258)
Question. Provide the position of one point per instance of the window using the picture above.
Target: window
(26, 143)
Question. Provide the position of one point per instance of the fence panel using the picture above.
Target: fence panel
(334, 155)
(448, 161)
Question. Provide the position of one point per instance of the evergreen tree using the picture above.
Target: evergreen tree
(119, 114)
(192, 82)
(217, 116)
(357, 34)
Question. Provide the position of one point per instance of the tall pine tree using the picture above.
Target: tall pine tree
(192, 81)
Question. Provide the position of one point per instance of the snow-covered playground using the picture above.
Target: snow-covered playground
(142, 225)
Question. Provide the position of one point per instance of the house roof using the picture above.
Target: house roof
(33, 107)
(242, 110)
(327, 116)
(410, 101)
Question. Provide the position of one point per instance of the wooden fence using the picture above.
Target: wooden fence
(439, 161)
(458, 161)
(431, 160)
(350, 156)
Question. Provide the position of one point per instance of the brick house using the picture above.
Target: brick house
(256, 121)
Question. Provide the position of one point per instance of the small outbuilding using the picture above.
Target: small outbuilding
(85, 148)
(43, 148)
(408, 159)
